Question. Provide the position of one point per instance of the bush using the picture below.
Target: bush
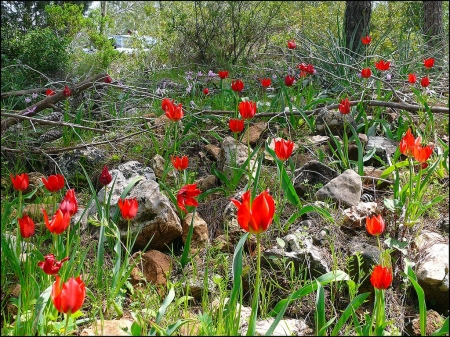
(45, 52)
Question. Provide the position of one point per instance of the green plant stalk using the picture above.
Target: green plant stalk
(19, 236)
(67, 241)
(411, 172)
(379, 311)
(187, 245)
(66, 324)
(175, 139)
(252, 323)
(248, 155)
(128, 239)
(345, 140)
(54, 203)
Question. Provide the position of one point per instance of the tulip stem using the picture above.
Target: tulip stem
(128, 239)
(18, 236)
(252, 322)
(248, 156)
(175, 139)
(66, 324)
(67, 240)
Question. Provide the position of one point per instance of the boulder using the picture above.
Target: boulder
(345, 188)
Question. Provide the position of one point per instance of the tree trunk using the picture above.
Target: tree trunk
(356, 24)
(432, 24)
(104, 10)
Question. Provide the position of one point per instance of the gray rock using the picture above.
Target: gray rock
(335, 122)
(311, 174)
(300, 250)
(384, 147)
(355, 216)
(90, 158)
(345, 189)
(156, 221)
(286, 327)
(432, 270)
(233, 156)
(370, 256)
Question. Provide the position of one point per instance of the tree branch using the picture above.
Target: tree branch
(50, 101)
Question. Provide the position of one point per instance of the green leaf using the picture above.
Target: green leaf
(391, 168)
(319, 313)
(442, 330)
(353, 305)
(399, 245)
(187, 245)
(337, 275)
(421, 297)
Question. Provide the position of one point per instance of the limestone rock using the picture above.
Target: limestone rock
(116, 327)
(152, 266)
(311, 174)
(335, 122)
(355, 216)
(345, 189)
(200, 236)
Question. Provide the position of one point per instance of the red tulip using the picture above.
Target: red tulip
(310, 69)
(344, 106)
(166, 104)
(26, 225)
(412, 78)
(69, 203)
(303, 74)
(289, 80)
(236, 125)
(381, 277)
(54, 183)
(174, 112)
(66, 91)
(366, 39)
(247, 109)
(382, 65)
(20, 182)
(49, 92)
(59, 221)
(205, 91)
(428, 63)
(180, 163)
(105, 177)
(107, 79)
(237, 85)
(291, 44)
(128, 208)
(70, 297)
(302, 66)
(186, 196)
(425, 82)
(265, 82)
(407, 144)
(258, 218)
(283, 148)
(223, 74)
(50, 265)
(421, 154)
(375, 225)
(366, 72)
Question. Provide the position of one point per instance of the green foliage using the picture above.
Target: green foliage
(218, 32)
(44, 51)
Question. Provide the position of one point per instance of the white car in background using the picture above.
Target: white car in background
(130, 44)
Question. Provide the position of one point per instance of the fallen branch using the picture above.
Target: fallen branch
(403, 106)
(65, 149)
(43, 121)
(50, 101)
